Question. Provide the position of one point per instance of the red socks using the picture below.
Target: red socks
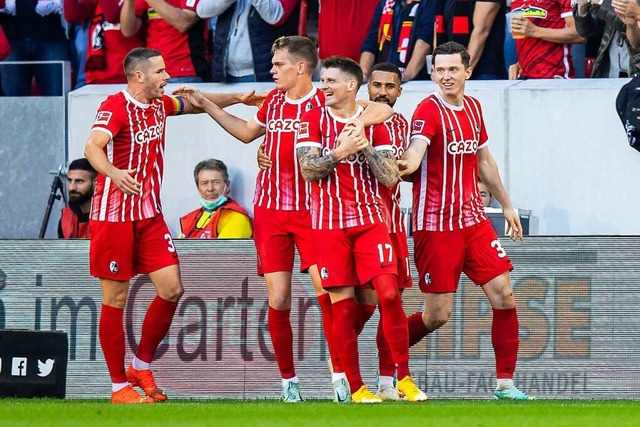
(346, 340)
(324, 301)
(111, 333)
(417, 328)
(282, 340)
(505, 340)
(386, 367)
(394, 321)
(155, 327)
(361, 316)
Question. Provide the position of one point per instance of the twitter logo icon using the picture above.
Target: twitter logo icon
(45, 368)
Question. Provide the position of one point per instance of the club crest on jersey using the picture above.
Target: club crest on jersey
(303, 130)
(324, 273)
(417, 127)
(103, 117)
(308, 107)
(477, 128)
(113, 267)
(427, 279)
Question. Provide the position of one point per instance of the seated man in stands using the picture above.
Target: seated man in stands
(74, 222)
(487, 197)
(219, 217)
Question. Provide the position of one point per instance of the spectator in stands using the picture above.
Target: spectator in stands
(35, 32)
(219, 217)
(244, 33)
(173, 28)
(401, 32)
(74, 222)
(4, 43)
(479, 25)
(105, 45)
(613, 58)
(544, 51)
(487, 197)
(343, 26)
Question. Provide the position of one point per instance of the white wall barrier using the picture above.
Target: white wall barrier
(560, 146)
(577, 301)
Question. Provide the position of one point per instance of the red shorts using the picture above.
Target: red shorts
(120, 250)
(441, 256)
(401, 250)
(350, 256)
(275, 233)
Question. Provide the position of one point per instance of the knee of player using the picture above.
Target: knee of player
(436, 319)
(280, 301)
(173, 293)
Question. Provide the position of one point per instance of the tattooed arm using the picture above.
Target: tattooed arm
(314, 166)
(383, 164)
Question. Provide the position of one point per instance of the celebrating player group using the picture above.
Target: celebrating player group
(329, 171)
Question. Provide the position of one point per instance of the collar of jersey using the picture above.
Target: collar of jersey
(448, 105)
(308, 96)
(132, 99)
(359, 111)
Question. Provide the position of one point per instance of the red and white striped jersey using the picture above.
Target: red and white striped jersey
(281, 187)
(348, 196)
(398, 128)
(445, 186)
(137, 142)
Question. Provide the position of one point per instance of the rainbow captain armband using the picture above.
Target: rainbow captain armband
(178, 104)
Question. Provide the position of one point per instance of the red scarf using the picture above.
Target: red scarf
(96, 58)
(385, 32)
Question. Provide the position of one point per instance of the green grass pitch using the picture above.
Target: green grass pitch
(436, 413)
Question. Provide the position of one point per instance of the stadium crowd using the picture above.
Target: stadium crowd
(228, 40)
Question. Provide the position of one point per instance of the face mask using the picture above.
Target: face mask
(212, 205)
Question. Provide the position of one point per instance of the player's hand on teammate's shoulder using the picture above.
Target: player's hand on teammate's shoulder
(124, 181)
(264, 161)
(253, 98)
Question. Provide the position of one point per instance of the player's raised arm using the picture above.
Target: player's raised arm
(374, 112)
(488, 172)
(94, 152)
(245, 131)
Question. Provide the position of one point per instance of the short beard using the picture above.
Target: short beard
(82, 198)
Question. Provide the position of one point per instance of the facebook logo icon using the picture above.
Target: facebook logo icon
(19, 367)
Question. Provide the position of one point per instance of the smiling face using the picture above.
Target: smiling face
(155, 78)
(384, 87)
(450, 75)
(336, 86)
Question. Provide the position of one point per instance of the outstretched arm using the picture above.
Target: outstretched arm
(245, 131)
(488, 172)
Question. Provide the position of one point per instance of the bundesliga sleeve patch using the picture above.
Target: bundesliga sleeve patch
(417, 126)
(103, 117)
(303, 130)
